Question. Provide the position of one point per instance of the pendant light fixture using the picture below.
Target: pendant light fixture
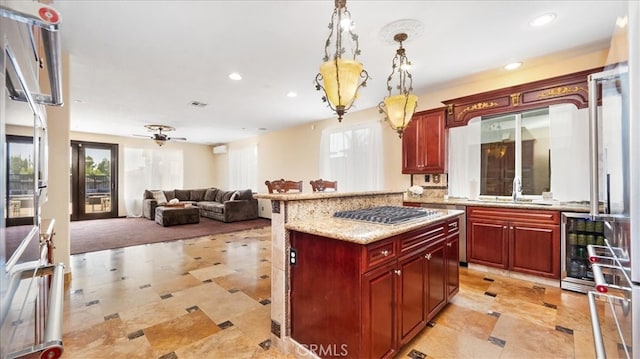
(341, 78)
(398, 109)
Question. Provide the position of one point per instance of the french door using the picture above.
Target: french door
(94, 180)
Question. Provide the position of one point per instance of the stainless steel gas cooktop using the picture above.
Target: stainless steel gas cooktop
(388, 214)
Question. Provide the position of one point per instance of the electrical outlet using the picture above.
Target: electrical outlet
(436, 178)
(293, 258)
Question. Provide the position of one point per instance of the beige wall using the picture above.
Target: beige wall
(293, 153)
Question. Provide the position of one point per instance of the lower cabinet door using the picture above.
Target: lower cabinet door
(435, 275)
(411, 296)
(535, 250)
(453, 265)
(378, 314)
(488, 243)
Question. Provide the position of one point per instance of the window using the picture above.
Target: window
(243, 167)
(515, 145)
(352, 155)
(563, 169)
(152, 169)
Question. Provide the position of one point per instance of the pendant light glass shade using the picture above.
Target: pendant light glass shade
(340, 78)
(341, 81)
(398, 109)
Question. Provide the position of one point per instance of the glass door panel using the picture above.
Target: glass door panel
(20, 185)
(93, 180)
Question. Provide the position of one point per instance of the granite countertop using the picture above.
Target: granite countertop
(295, 196)
(363, 232)
(549, 206)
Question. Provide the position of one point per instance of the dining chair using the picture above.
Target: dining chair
(282, 185)
(321, 185)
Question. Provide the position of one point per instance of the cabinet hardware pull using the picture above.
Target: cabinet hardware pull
(384, 253)
(427, 256)
(397, 271)
(504, 227)
(449, 244)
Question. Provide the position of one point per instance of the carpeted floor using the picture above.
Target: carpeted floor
(100, 234)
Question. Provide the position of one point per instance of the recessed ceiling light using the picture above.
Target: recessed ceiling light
(235, 76)
(542, 20)
(291, 94)
(512, 66)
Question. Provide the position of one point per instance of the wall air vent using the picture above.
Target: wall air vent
(197, 104)
(218, 150)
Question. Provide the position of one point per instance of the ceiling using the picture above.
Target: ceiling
(134, 63)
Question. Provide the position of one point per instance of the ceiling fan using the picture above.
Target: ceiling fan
(160, 137)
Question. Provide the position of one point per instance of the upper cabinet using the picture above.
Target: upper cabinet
(571, 88)
(423, 143)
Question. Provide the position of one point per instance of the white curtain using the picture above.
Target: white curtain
(464, 160)
(243, 167)
(352, 155)
(569, 143)
(149, 169)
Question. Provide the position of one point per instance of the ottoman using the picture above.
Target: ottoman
(170, 216)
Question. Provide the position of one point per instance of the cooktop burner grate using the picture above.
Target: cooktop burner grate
(387, 214)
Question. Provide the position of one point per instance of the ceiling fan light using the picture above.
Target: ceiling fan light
(160, 142)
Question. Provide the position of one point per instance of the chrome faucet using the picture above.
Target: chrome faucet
(517, 188)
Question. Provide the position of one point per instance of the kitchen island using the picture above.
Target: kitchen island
(319, 264)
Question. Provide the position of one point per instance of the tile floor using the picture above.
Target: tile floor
(209, 298)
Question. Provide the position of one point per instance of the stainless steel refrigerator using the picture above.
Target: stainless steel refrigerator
(610, 233)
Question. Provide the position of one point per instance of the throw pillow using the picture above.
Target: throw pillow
(220, 196)
(159, 197)
(245, 194)
(227, 196)
(170, 195)
(183, 194)
(210, 195)
(197, 195)
(234, 196)
(148, 194)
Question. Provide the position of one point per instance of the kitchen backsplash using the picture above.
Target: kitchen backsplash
(435, 187)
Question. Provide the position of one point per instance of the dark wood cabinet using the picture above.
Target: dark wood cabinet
(423, 143)
(487, 242)
(526, 241)
(378, 314)
(385, 291)
(436, 278)
(411, 297)
(452, 255)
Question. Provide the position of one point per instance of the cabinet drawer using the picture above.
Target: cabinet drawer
(514, 215)
(378, 253)
(453, 226)
(422, 237)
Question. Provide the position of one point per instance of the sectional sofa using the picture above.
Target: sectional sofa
(214, 203)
